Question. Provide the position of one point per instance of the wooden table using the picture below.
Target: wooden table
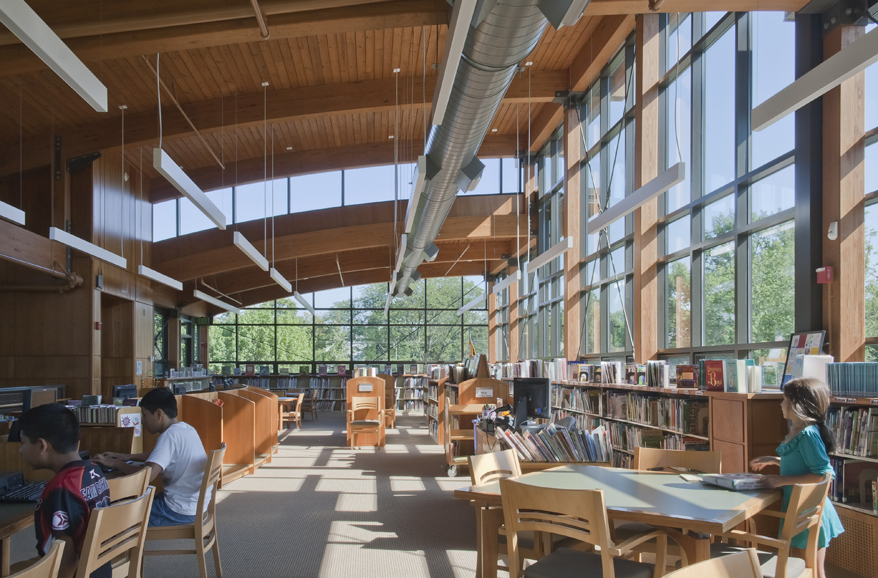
(13, 518)
(658, 499)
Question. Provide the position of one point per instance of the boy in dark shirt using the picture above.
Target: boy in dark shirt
(50, 440)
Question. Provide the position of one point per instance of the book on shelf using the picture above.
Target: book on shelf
(737, 482)
(227, 370)
(264, 370)
(852, 482)
(631, 373)
(855, 430)
(739, 382)
(596, 374)
(250, 369)
(555, 445)
(687, 376)
(813, 366)
(283, 371)
(754, 379)
(321, 369)
(715, 374)
(341, 370)
(586, 371)
(386, 370)
(658, 373)
(611, 372)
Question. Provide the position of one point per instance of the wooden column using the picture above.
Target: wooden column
(573, 216)
(492, 324)
(645, 319)
(844, 306)
(513, 318)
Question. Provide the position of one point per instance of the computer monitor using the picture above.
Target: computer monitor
(125, 391)
(531, 396)
(179, 389)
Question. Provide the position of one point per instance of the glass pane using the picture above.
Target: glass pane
(871, 224)
(294, 343)
(773, 277)
(444, 344)
(490, 181)
(414, 301)
(616, 319)
(590, 272)
(256, 343)
(479, 337)
(164, 220)
(333, 316)
(719, 116)
(719, 217)
(254, 201)
(369, 185)
(872, 168)
(407, 316)
(407, 344)
(871, 93)
(678, 100)
(224, 319)
(334, 298)
(221, 346)
(711, 18)
(370, 317)
(773, 194)
(475, 317)
(511, 176)
(291, 312)
(678, 235)
(370, 343)
(444, 293)
(332, 343)
(193, 220)
(872, 353)
(370, 296)
(617, 93)
(593, 322)
(593, 132)
(616, 185)
(679, 304)
(679, 38)
(774, 67)
(442, 317)
(719, 295)
(256, 316)
(312, 192)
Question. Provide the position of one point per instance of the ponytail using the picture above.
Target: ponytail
(827, 436)
(809, 400)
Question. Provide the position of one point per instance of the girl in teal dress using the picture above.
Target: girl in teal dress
(804, 458)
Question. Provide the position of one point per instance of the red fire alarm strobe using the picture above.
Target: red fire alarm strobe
(97, 325)
(824, 275)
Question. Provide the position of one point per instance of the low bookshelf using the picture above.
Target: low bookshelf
(411, 391)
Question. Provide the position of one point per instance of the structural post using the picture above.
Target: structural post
(573, 217)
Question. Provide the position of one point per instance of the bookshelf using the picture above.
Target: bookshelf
(435, 408)
(855, 462)
(411, 391)
(462, 403)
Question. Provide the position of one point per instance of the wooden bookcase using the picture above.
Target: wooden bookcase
(434, 408)
(462, 403)
(403, 395)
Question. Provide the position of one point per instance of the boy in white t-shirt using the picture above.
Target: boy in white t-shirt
(178, 455)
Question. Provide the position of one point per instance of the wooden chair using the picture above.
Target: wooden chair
(45, 567)
(704, 462)
(203, 530)
(364, 426)
(310, 404)
(744, 564)
(116, 534)
(390, 403)
(131, 486)
(803, 513)
(655, 459)
(577, 514)
(293, 414)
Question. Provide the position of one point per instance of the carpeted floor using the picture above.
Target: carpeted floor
(323, 510)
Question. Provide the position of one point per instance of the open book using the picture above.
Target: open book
(737, 481)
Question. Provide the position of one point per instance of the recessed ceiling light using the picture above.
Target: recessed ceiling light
(529, 63)
(493, 130)
(264, 84)
(289, 148)
(395, 70)
(391, 136)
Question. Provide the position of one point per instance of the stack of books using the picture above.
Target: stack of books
(853, 379)
(555, 445)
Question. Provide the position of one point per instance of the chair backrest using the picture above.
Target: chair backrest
(649, 458)
(213, 469)
(45, 567)
(364, 404)
(803, 512)
(115, 531)
(299, 399)
(577, 514)
(741, 565)
(132, 486)
(490, 467)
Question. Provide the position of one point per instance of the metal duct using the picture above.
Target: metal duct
(491, 55)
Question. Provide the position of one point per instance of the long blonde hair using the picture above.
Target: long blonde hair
(809, 401)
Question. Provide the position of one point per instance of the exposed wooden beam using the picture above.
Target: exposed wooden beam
(314, 161)
(609, 7)
(285, 105)
(18, 59)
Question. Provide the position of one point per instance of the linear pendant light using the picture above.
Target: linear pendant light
(73, 242)
(425, 170)
(555, 250)
(662, 183)
(242, 243)
(389, 298)
(279, 279)
(855, 57)
(304, 302)
(10, 213)
(472, 303)
(458, 29)
(22, 21)
(214, 301)
(507, 282)
(165, 165)
(160, 277)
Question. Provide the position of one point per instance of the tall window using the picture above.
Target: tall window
(607, 177)
(350, 327)
(501, 324)
(871, 220)
(161, 319)
(727, 232)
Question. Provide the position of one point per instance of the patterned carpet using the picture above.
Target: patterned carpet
(323, 510)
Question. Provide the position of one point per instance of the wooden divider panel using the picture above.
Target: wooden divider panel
(99, 439)
(374, 387)
(207, 419)
(239, 433)
(12, 461)
(264, 424)
(275, 411)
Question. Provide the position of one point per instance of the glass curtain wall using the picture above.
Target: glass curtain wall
(607, 176)
(726, 234)
(501, 324)
(350, 328)
(871, 217)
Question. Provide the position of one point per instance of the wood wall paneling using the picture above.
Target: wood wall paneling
(572, 220)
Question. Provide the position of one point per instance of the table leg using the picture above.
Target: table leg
(5, 555)
(695, 545)
(478, 510)
(492, 519)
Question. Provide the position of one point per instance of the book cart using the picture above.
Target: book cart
(856, 550)
(463, 402)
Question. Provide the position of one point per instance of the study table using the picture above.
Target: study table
(14, 517)
(689, 512)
